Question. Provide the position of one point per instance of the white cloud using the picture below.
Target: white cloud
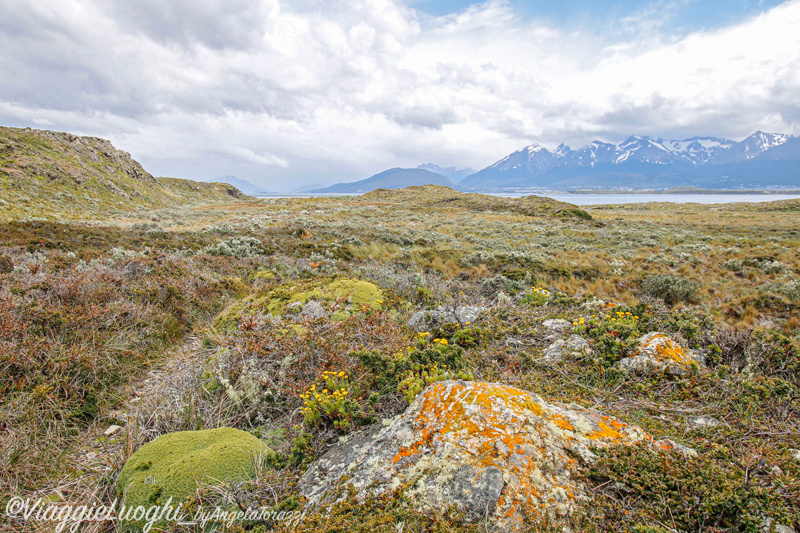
(312, 91)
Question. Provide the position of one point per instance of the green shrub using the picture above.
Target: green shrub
(671, 289)
(697, 493)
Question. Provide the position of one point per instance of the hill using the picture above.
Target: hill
(395, 178)
(52, 174)
(243, 185)
(437, 197)
(763, 160)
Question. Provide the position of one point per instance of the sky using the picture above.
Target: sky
(290, 93)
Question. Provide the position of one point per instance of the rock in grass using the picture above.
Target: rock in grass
(493, 451)
(656, 354)
(427, 320)
(575, 347)
(175, 464)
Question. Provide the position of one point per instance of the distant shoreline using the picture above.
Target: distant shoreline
(686, 191)
(527, 192)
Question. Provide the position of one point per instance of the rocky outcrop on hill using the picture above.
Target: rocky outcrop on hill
(46, 172)
(494, 451)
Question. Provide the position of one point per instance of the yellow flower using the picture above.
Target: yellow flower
(341, 374)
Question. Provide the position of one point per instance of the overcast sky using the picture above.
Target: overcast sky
(288, 93)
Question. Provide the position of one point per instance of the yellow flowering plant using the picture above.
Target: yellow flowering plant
(330, 400)
(614, 332)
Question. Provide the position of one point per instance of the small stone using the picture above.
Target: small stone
(111, 430)
(704, 421)
(768, 525)
(577, 345)
(795, 454)
(557, 324)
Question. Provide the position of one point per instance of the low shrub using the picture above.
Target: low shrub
(671, 289)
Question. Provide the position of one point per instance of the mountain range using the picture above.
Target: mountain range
(394, 178)
(763, 160)
(455, 174)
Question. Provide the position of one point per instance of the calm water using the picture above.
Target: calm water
(600, 199)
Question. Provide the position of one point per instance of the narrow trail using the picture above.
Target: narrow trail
(154, 404)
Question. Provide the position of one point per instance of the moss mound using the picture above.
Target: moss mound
(277, 301)
(175, 464)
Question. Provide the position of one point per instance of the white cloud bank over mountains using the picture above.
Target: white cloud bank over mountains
(283, 93)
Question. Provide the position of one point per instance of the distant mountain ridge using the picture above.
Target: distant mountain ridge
(394, 178)
(455, 174)
(760, 160)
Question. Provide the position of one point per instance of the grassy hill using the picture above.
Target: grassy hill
(59, 175)
(437, 196)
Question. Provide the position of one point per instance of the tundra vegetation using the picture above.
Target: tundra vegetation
(160, 319)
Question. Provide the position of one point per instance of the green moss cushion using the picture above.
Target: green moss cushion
(352, 291)
(175, 464)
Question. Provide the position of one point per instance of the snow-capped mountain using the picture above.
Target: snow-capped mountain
(643, 162)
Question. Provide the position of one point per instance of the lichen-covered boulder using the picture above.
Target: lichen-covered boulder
(656, 353)
(175, 464)
(494, 451)
(426, 320)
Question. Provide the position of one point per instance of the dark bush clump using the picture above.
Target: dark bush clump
(671, 289)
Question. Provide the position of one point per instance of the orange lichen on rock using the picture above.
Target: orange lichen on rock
(656, 353)
(484, 447)
(608, 429)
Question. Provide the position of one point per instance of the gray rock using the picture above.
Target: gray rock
(425, 320)
(555, 352)
(769, 526)
(557, 324)
(576, 346)
(704, 421)
(313, 310)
